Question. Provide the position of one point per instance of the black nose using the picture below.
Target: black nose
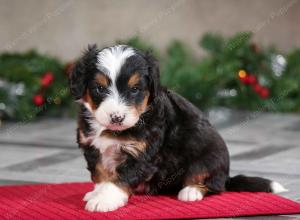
(116, 118)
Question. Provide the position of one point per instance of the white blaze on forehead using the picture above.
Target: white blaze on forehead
(110, 60)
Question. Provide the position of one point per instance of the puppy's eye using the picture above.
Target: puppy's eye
(100, 89)
(134, 90)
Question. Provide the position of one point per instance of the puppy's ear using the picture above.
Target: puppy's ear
(154, 75)
(80, 73)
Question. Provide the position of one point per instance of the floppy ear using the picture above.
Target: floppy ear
(83, 68)
(154, 75)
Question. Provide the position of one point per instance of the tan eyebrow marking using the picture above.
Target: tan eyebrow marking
(133, 80)
(102, 79)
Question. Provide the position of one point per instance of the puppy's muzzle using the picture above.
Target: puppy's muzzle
(116, 118)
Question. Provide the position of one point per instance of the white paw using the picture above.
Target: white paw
(190, 193)
(277, 187)
(105, 197)
(89, 195)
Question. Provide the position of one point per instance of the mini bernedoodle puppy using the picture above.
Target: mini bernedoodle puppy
(139, 137)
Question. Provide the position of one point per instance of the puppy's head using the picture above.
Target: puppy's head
(116, 84)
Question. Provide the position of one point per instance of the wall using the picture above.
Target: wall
(64, 28)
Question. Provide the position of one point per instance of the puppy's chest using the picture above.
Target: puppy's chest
(110, 150)
(115, 149)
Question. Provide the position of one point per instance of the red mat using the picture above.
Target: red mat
(64, 201)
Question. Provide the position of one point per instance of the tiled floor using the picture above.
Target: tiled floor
(266, 145)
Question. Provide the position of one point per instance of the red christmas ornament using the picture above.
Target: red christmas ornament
(38, 100)
(252, 79)
(47, 79)
(244, 80)
(264, 92)
(257, 88)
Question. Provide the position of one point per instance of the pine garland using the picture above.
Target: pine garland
(32, 85)
(235, 73)
(214, 79)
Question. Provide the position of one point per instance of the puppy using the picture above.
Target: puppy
(139, 137)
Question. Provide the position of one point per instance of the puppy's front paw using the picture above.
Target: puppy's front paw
(190, 193)
(105, 197)
(89, 195)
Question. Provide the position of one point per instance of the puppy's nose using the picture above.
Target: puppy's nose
(117, 118)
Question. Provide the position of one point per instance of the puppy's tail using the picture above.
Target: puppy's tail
(243, 183)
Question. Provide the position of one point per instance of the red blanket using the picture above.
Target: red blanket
(64, 201)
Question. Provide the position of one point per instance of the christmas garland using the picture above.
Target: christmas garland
(32, 85)
(235, 73)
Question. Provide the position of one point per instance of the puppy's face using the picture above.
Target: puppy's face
(115, 84)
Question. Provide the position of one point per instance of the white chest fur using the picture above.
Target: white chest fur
(103, 143)
(110, 151)
(110, 145)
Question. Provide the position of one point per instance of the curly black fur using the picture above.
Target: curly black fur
(180, 140)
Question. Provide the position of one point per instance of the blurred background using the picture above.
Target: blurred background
(237, 60)
(234, 54)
